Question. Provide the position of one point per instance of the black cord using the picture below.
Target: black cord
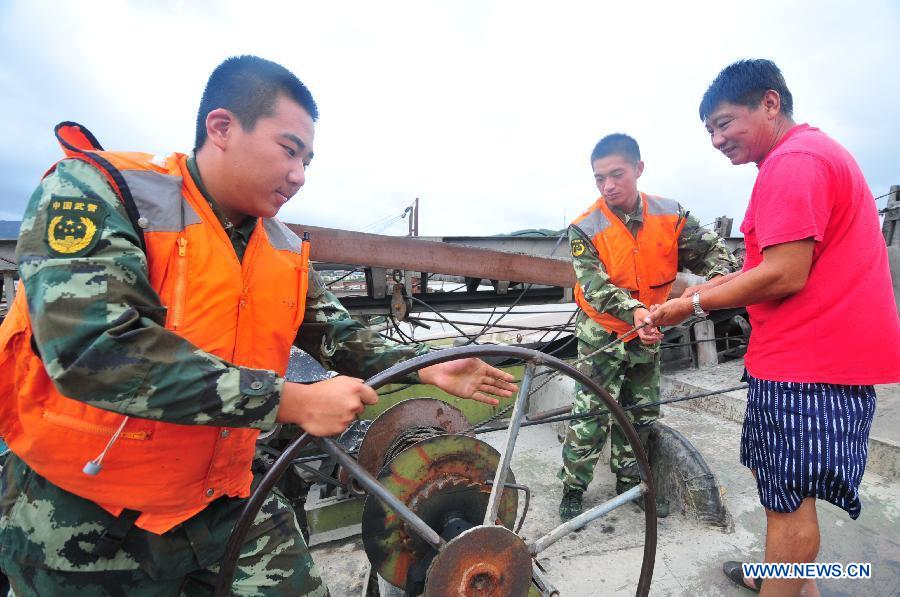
(559, 330)
(353, 271)
(564, 345)
(541, 312)
(441, 315)
(460, 287)
(405, 339)
(885, 195)
(715, 339)
(539, 328)
(598, 412)
(525, 289)
(488, 324)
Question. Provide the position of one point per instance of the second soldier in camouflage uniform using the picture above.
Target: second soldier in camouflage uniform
(99, 328)
(629, 371)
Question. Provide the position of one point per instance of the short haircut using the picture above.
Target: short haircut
(617, 144)
(248, 86)
(744, 83)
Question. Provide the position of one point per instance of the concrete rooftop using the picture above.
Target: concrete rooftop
(604, 559)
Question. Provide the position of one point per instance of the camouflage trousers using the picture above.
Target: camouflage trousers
(629, 383)
(47, 539)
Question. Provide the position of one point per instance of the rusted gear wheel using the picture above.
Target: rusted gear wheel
(481, 562)
(445, 497)
(391, 424)
(446, 476)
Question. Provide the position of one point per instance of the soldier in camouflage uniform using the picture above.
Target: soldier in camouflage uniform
(97, 314)
(628, 370)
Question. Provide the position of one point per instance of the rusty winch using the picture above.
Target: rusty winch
(440, 516)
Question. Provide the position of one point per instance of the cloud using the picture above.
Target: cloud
(486, 111)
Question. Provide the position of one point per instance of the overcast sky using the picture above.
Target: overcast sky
(486, 111)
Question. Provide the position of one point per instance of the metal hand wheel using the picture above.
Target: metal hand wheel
(487, 559)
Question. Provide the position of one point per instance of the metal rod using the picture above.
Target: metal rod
(371, 485)
(527, 491)
(552, 416)
(546, 414)
(616, 340)
(584, 519)
(543, 583)
(490, 514)
(322, 477)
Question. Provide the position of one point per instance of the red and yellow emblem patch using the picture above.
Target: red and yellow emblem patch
(578, 247)
(73, 225)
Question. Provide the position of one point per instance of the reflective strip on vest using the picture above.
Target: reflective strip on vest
(281, 237)
(592, 223)
(660, 206)
(156, 196)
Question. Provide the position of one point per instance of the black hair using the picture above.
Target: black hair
(248, 86)
(744, 83)
(617, 144)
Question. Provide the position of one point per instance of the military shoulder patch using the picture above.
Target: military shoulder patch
(578, 247)
(74, 224)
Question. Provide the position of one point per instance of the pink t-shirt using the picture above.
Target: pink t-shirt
(842, 327)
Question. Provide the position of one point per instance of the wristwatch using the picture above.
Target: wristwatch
(698, 310)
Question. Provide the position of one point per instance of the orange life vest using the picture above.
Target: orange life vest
(644, 266)
(245, 312)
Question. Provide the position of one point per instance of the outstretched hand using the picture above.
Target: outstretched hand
(470, 378)
(671, 312)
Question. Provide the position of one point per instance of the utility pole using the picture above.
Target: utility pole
(891, 230)
(414, 219)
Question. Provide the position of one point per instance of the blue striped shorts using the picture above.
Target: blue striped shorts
(807, 440)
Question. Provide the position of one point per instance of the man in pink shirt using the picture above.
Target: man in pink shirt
(816, 275)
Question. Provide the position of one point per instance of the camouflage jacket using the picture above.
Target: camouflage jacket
(99, 325)
(699, 250)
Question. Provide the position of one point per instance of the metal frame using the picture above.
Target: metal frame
(532, 359)
(490, 514)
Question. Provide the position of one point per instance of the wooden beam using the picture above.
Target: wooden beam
(358, 248)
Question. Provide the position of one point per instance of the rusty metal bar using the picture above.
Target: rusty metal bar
(553, 412)
(490, 515)
(582, 520)
(358, 248)
(335, 246)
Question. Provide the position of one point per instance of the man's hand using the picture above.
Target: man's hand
(470, 378)
(327, 407)
(671, 312)
(648, 334)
